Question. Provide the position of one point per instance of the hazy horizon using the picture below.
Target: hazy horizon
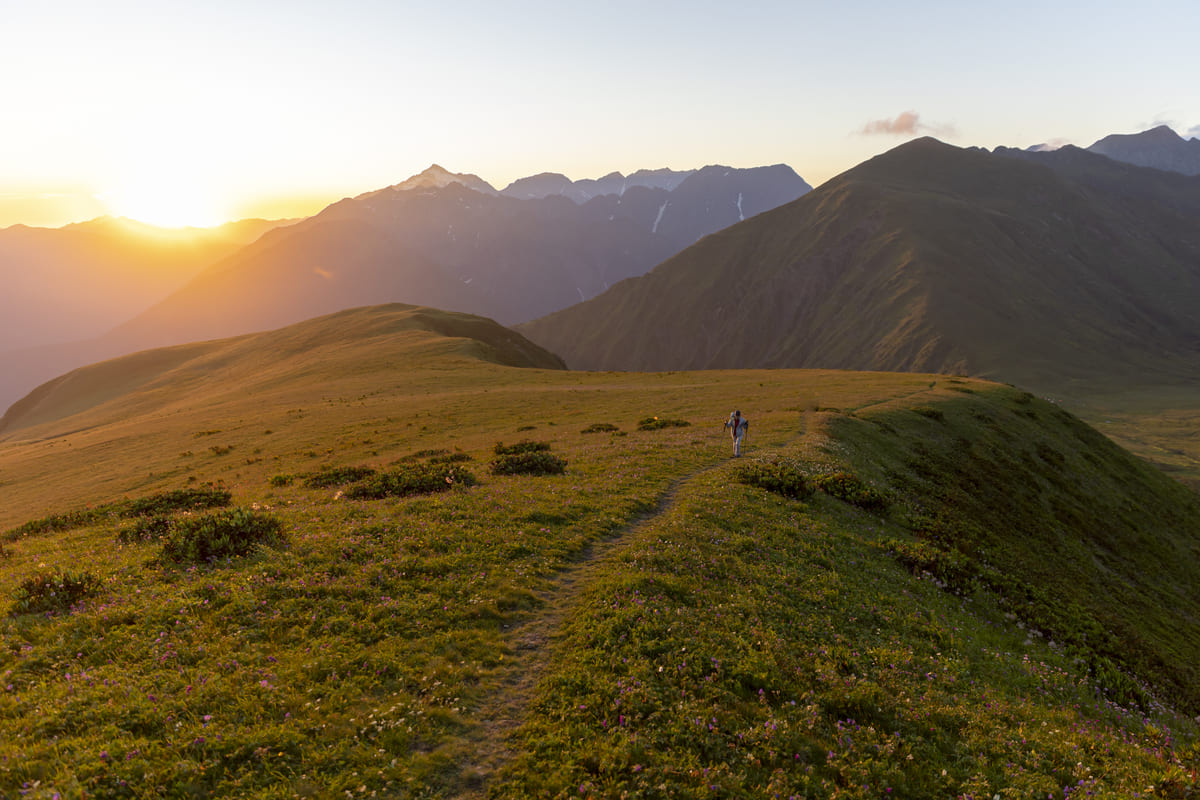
(194, 115)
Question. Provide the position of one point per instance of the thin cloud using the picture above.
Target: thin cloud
(907, 123)
(1193, 132)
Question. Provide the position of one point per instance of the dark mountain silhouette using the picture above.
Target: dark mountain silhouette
(440, 239)
(445, 243)
(1046, 269)
(1161, 148)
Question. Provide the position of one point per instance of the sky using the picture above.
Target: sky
(192, 113)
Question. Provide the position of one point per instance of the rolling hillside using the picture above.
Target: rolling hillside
(1058, 271)
(164, 377)
(910, 585)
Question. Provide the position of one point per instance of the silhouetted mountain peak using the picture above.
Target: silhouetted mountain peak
(1160, 148)
(438, 177)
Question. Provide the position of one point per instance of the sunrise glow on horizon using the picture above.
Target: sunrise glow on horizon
(187, 115)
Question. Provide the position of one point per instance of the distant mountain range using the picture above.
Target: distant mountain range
(440, 239)
(453, 242)
(78, 281)
(1048, 269)
(1161, 148)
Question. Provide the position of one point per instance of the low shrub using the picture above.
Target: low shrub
(529, 463)
(523, 446)
(222, 534)
(53, 591)
(177, 500)
(600, 427)
(654, 423)
(457, 457)
(282, 480)
(61, 522)
(848, 488)
(145, 529)
(411, 479)
(427, 453)
(776, 476)
(337, 476)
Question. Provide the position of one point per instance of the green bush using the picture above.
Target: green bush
(427, 453)
(849, 488)
(336, 476)
(178, 500)
(52, 591)
(775, 476)
(223, 534)
(146, 529)
(654, 423)
(601, 427)
(282, 480)
(451, 458)
(411, 479)
(61, 522)
(524, 446)
(528, 463)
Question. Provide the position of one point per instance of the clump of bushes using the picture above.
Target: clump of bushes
(160, 503)
(336, 476)
(282, 480)
(61, 522)
(776, 476)
(178, 500)
(222, 534)
(53, 591)
(529, 463)
(654, 423)
(410, 479)
(427, 453)
(849, 488)
(526, 458)
(457, 457)
(145, 529)
(523, 446)
(601, 427)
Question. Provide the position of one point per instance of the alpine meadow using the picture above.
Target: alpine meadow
(402, 552)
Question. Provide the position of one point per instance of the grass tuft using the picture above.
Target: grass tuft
(654, 423)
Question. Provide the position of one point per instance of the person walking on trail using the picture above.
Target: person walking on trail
(737, 425)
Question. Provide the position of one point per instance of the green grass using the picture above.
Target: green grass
(642, 625)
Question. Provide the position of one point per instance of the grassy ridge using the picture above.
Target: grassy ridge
(748, 644)
(642, 624)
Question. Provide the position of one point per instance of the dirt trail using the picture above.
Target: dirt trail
(532, 640)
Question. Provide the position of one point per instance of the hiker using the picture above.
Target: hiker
(737, 425)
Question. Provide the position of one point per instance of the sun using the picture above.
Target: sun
(167, 203)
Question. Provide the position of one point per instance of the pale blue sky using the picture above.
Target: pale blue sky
(134, 107)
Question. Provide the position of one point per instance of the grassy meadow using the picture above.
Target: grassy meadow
(908, 586)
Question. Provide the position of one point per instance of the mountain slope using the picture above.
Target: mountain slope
(1160, 148)
(156, 379)
(927, 258)
(441, 239)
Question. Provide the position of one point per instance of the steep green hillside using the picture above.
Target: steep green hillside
(1064, 273)
(909, 586)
